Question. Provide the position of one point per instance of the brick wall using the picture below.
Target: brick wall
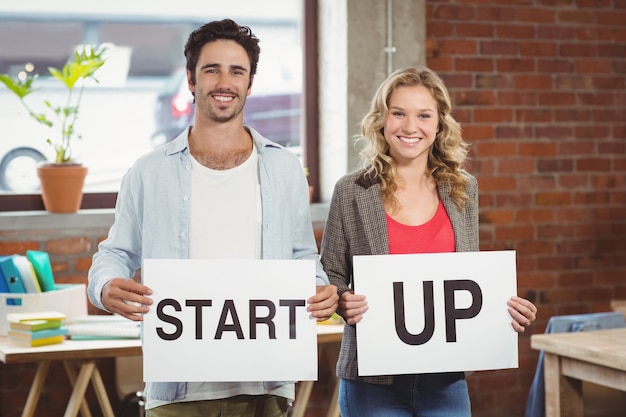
(539, 87)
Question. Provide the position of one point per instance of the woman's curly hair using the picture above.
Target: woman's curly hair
(448, 153)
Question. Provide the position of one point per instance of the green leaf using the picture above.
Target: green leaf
(20, 88)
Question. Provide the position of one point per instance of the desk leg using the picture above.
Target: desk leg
(101, 393)
(35, 389)
(71, 374)
(77, 399)
(332, 353)
(564, 396)
(302, 398)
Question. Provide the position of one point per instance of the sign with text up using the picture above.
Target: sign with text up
(440, 312)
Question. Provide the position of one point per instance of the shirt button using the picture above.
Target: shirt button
(185, 198)
(183, 234)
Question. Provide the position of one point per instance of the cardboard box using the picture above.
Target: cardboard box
(69, 299)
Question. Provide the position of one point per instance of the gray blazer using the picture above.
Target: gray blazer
(356, 225)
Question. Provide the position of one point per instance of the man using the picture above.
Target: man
(219, 190)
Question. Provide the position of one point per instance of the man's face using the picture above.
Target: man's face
(223, 81)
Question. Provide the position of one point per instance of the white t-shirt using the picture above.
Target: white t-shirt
(226, 214)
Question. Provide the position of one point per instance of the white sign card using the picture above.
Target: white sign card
(229, 320)
(440, 312)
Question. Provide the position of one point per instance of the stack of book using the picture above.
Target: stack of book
(37, 329)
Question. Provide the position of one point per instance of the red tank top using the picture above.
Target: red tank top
(436, 235)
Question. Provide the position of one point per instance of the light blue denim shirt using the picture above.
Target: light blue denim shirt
(152, 220)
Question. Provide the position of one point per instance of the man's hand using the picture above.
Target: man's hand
(324, 303)
(126, 298)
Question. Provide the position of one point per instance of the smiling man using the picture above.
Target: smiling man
(220, 190)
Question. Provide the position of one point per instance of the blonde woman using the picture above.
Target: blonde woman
(412, 196)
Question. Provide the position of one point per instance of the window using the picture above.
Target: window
(142, 102)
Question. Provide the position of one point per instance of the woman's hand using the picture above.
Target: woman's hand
(523, 313)
(353, 306)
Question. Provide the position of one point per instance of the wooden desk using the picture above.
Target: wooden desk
(75, 355)
(570, 358)
(329, 342)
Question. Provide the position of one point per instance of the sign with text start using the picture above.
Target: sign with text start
(440, 312)
(229, 320)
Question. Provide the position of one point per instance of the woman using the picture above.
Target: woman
(413, 196)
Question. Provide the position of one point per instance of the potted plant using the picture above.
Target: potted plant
(64, 177)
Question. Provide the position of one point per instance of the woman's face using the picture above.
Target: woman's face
(411, 124)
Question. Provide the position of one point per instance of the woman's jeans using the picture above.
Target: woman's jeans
(424, 395)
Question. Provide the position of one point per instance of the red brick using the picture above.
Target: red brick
(460, 47)
(470, 30)
(473, 64)
(17, 247)
(538, 49)
(535, 215)
(498, 48)
(497, 14)
(500, 149)
(557, 98)
(68, 245)
(553, 199)
(515, 32)
(515, 131)
(537, 149)
(555, 165)
(594, 66)
(497, 184)
(535, 82)
(515, 65)
(542, 115)
(477, 132)
(517, 166)
(536, 15)
(474, 97)
(593, 164)
(452, 12)
(570, 16)
(517, 98)
(497, 216)
(549, 65)
(493, 115)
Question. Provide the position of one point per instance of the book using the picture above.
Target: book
(26, 271)
(52, 340)
(43, 269)
(35, 325)
(11, 275)
(103, 327)
(40, 334)
(36, 315)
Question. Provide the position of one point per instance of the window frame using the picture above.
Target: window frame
(107, 200)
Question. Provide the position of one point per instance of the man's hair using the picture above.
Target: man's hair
(221, 30)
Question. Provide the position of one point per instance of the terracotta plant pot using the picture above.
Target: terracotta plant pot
(62, 186)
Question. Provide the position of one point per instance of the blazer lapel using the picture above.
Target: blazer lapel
(372, 211)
